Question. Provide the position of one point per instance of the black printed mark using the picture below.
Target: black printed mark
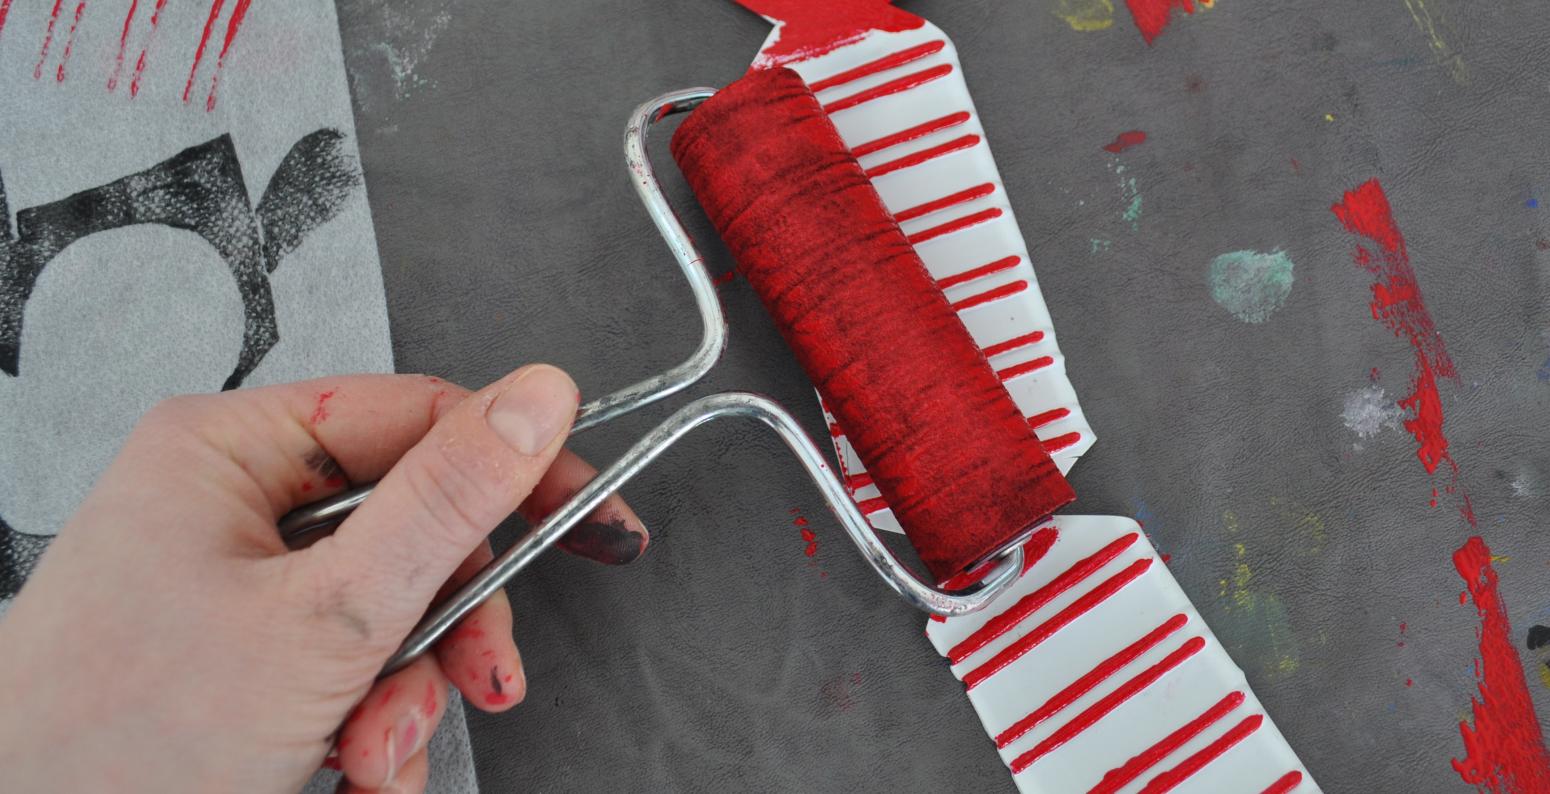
(19, 554)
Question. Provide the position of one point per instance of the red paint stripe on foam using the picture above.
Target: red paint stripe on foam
(882, 64)
(1125, 140)
(150, 37)
(64, 58)
(1120, 776)
(924, 155)
(956, 225)
(905, 136)
(199, 54)
(1024, 368)
(1081, 686)
(48, 40)
(962, 196)
(1034, 601)
(1285, 783)
(1153, 15)
(1013, 343)
(990, 295)
(1004, 263)
(1039, 420)
(1505, 750)
(1173, 777)
(123, 44)
(810, 29)
(895, 86)
(1059, 443)
(1108, 703)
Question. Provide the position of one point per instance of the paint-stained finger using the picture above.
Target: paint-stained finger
(392, 724)
(611, 534)
(411, 779)
(479, 656)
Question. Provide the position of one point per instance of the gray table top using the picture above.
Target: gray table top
(726, 659)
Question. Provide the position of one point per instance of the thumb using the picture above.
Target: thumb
(446, 494)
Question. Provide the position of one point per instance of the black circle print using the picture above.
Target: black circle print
(200, 190)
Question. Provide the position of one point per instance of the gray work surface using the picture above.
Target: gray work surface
(726, 659)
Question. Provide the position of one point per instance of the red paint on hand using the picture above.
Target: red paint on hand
(810, 28)
(1125, 140)
(320, 411)
(1505, 750)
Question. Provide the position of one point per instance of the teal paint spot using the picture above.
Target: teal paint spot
(1251, 284)
(1098, 244)
(1131, 195)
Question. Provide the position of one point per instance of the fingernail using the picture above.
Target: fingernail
(612, 542)
(402, 743)
(534, 409)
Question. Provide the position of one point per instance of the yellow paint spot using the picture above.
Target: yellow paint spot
(1496, 558)
(1429, 19)
(1544, 676)
(1329, 117)
(1258, 613)
(1085, 15)
(1306, 525)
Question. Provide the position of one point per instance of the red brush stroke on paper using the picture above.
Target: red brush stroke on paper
(75, 24)
(134, 83)
(810, 28)
(204, 41)
(238, 14)
(48, 40)
(5, 11)
(1505, 751)
(123, 44)
(1153, 15)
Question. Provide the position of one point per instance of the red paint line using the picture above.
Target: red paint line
(882, 64)
(1120, 776)
(974, 274)
(1285, 783)
(1013, 343)
(905, 136)
(48, 40)
(961, 197)
(1024, 368)
(809, 29)
(856, 482)
(835, 431)
(924, 155)
(1173, 777)
(1039, 420)
(64, 58)
(1059, 443)
(199, 54)
(895, 86)
(239, 12)
(123, 44)
(1505, 750)
(957, 225)
(1048, 628)
(5, 11)
(1125, 140)
(874, 505)
(1034, 601)
(990, 295)
(134, 83)
(1081, 686)
(1108, 703)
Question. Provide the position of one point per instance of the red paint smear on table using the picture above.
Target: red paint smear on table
(1125, 140)
(75, 24)
(48, 40)
(134, 83)
(320, 411)
(810, 28)
(204, 41)
(123, 44)
(1505, 750)
(1153, 15)
(238, 14)
(808, 536)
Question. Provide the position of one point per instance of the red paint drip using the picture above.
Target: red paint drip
(961, 197)
(75, 24)
(1108, 703)
(239, 12)
(1081, 686)
(809, 29)
(1125, 140)
(913, 133)
(1039, 420)
(990, 295)
(320, 411)
(123, 44)
(957, 225)
(1173, 777)
(895, 86)
(134, 83)
(1120, 776)
(199, 54)
(1014, 343)
(974, 274)
(1153, 15)
(48, 40)
(1285, 783)
(1505, 750)
(882, 64)
(1048, 628)
(925, 155)
(1034, 601)
(1024, 368)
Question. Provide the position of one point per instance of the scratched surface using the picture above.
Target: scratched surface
(1217, 328)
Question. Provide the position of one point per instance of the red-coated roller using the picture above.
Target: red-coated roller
(942, 439)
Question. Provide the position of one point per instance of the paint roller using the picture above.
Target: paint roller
(944, 442)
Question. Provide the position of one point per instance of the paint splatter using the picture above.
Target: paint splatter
(1258, 615)
(808, 536)
(400, 39)
(75, 24)
(1153, 15)
(1433, 26)
(1125, 140)
(145, 50)
(840, 692)
(320, 411)
(1099, 245)
(1085, 15)
(1505, 749)
(808, 29)
(1368, 410)
(238, 14)
(1251, 284)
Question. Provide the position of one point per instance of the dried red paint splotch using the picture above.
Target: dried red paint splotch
(320, 411)
(1153, 15)
(1505, 750)
(813, 27)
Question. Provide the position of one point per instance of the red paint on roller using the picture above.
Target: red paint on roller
(973, 274)
(905, 136)
(924, 155)
(1125, 140)
(894, 364)
(1153, 15)
(895, 86)
(936, 205)
(882, 64)
(810, 28)
(1505, 750)
(1285, 783)
(1033, 550)
(1120, 776)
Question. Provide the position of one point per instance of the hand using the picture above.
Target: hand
(169, 641)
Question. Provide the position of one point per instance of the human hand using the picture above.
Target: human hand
(169, 641)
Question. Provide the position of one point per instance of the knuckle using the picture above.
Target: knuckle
(459, 502)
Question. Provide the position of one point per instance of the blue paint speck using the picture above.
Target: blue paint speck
(1531, 203)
